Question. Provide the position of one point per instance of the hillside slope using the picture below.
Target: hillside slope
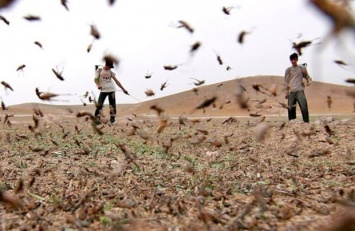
(261, 102)
(226, 103)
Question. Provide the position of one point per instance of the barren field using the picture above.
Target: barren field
(210, 170)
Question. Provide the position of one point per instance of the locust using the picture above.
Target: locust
(219, 59)
(170, 67)
(21, 67)
(10, 199)
(88, 49)
(45, 95)
(299, 46)
(241, 36)
(340, 16)
(149, 92)
(32, 18)
(7, 86)
(195, 46)
(227, 10)
(94, 32)
(3, 107)
(185, 25)
(111, 59)
(58, 74)
(148, 75)
(207, 103)
(163, 85)
(38, 44)
(4, 20)
(198, 82)
(64, 3)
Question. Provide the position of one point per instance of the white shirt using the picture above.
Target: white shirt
(105, 80)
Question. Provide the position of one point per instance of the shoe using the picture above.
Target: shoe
(112, 121)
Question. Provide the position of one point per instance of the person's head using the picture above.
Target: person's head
(108, 64)
(294, 58)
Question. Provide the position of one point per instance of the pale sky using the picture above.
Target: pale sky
(143, 35)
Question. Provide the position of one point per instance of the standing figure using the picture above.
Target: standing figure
(103, 80)
(294, 87)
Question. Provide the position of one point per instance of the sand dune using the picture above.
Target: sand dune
(184, 103)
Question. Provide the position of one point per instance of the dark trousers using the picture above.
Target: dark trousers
(111, 101)
(300, 98)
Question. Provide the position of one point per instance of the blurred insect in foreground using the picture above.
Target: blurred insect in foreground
(158, 110)
(111, 59)
(111, 2)
(64, 3)
(299, 46)
(242, 101)
(45, 95)
(6, 3)
(163, 123)
(340, 16)
(258, 87)
(206, 103)
(37, 111)
(10, 199)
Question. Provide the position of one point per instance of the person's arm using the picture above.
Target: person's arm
(120, 85)
(306, 75)
(97, 80)
(286, 87)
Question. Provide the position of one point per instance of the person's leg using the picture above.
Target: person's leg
(112, 102)
(100, 104)
(302, 102)
(291, 106)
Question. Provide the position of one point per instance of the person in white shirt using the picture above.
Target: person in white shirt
(103, 80)
(294, 88)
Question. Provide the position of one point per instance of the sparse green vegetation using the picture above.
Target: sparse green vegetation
(120, 181)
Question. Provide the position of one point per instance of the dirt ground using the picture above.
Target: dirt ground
(167, 166)
(186, 173)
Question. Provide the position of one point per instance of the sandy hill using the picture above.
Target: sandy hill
(262, 102)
